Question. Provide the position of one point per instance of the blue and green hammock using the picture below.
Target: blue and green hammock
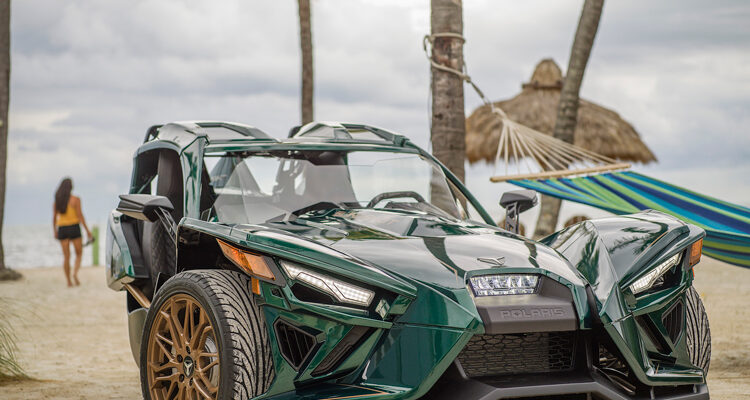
(727, 225)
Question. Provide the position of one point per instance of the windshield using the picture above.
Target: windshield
(283, 185)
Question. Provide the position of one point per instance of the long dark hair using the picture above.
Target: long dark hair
(62, 196)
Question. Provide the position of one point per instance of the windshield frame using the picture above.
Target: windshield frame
(213, 150)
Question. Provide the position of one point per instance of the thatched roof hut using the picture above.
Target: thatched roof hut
(599, 129)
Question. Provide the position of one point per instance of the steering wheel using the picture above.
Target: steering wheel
(395, 195)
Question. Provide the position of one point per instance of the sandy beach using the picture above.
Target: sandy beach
(74, 343)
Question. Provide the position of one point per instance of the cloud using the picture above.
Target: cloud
(89, 77)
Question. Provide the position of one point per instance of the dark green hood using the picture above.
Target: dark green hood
(430, 249)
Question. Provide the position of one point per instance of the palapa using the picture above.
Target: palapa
(602, 137)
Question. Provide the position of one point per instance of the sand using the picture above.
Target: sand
(74, 341)
(725, 290)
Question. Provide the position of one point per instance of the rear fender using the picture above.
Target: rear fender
(123, 251)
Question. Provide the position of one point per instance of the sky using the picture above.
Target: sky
(89, 77)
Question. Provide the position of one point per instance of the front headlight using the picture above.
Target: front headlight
(648, 280)
(501, 285)
(341, 291)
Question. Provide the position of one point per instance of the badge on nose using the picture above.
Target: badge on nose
(494, 261)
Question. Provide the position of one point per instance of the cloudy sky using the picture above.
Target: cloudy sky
(88, 77)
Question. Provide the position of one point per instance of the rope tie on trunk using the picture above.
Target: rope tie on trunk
(427, 45)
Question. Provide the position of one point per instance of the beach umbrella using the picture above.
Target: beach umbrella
(599, 129)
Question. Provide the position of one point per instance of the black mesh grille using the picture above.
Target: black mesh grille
(525, 353)
(672, 320)
(294, 343)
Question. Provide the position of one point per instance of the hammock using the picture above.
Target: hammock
(727, 225)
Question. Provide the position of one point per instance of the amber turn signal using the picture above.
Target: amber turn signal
(696, 249)
(255, 285)
(251, 263)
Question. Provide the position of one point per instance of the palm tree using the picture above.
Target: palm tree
(305, 39)
(448, 127)
(5, 273)
(567, 109)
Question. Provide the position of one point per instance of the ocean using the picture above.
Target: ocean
(33, 246)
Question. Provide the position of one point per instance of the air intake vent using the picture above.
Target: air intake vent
(295, 344)
(524, 353)
(673, 321)
(346, 346)
(652, 332)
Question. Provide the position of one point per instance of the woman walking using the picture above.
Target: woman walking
(65, 221)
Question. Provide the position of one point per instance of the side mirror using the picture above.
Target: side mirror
(144, 206)
(515, 202)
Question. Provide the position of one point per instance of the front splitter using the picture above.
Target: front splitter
(552, 385)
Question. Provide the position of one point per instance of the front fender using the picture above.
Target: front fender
(284, 245)
(611, 253)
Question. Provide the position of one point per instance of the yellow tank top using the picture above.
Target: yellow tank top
(69, 217)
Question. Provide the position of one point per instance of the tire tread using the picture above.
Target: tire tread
(698, 331)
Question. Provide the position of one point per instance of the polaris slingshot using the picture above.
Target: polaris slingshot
(344, 262)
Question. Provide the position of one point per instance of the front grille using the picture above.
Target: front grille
(523, 353)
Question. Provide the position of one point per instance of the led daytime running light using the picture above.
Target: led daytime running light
(503, 285)
(648, 280)
(341, 291)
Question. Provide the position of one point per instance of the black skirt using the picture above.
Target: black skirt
(68, 232)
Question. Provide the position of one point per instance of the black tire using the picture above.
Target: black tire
(698, 331)
(245, 361)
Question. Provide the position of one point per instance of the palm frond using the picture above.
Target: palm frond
(9, 366)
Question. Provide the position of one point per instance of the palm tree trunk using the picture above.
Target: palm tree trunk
(305, 38)
(567, 109)
(448, 119)
(4, 99)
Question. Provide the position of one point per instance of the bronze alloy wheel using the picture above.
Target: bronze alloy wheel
(182, 353)
(205, 337)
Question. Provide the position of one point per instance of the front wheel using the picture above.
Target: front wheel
(205, 337)
(698, 331)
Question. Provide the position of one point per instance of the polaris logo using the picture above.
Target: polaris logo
(532, 313)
